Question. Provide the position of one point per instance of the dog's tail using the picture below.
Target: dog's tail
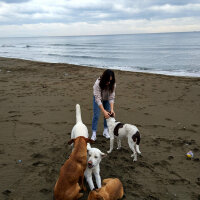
(136, 138)
(78, 113)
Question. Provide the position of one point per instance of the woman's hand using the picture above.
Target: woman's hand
(112, 113)
(106, 114)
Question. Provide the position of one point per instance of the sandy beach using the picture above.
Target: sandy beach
(37, 113)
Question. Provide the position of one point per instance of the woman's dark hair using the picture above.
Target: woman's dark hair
(105, 78)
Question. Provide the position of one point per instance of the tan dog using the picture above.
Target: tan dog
(111, 189)
(71, 176)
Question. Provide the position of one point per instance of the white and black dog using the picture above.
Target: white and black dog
(94, 157)
(119, 130)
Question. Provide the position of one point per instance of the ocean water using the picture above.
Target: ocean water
(165, 53)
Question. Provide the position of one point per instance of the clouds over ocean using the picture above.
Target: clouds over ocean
(90, 17)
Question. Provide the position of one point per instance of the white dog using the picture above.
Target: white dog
(94, 157)
(119, 130)
(79, 128)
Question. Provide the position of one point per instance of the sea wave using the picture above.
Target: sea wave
(63, 45)
(7, 45)
(175, 54)
(79, 56)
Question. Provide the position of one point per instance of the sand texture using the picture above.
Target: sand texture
(37, 113)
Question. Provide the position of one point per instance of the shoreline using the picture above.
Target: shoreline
(162, 74)
(37, 114)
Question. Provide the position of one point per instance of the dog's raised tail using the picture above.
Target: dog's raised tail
(78, 113)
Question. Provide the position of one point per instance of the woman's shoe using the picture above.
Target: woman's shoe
(105, 133)
(94, 137)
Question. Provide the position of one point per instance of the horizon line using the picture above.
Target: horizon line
(101, 34)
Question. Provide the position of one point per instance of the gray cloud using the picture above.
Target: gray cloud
(92, 11)
(15, 1)
(19, 12)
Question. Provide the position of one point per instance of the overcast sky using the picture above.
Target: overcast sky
(97, 17)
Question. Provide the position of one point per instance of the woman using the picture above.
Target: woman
(104, 95)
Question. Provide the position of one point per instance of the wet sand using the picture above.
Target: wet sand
(37, 113)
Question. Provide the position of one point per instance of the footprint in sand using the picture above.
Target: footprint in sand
(146, 165)
(13, 116)
(55, 149)
(170, 157)
(6, 192)
(37, 155)
(33, 142)
(129, 181)
(168, 119)
(151, 197)
(45, 191)
(198, 181)
(178, 181)
(39, 164)
(195, 125)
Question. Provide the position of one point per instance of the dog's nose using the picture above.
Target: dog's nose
(90, 164)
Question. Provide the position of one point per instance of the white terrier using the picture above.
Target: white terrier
(94, 157)
(119, 130)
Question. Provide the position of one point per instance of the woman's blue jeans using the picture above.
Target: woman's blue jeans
(96, 113)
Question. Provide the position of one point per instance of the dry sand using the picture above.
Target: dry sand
(37, 113)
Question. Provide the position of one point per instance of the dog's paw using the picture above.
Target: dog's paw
(139, 152)
(134, 160)
(109, 151)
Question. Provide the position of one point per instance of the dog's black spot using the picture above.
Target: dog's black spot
(135, 137)
(117, 127)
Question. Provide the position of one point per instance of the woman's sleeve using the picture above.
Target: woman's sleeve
(97, 93)
(112, 96)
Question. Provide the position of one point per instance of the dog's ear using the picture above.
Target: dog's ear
(94, 195)
(89, 140)
(98, 197)
(112, 115)
(88, 149)
(103, 155)
(71, 141)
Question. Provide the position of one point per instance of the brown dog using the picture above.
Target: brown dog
(111, 189)
(71, 176)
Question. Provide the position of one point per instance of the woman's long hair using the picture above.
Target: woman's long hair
(105, 78)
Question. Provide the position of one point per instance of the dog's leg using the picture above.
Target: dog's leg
(73, 193)
(81, 183)
(98, 179)
(118, 143)
(79, 195)
(111, 143)
(131, 145)
(138, 149)
(89, 180)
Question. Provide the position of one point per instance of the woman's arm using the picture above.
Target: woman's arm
(111, 101)
(98, 98)
(112, 108)
(105, 112)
